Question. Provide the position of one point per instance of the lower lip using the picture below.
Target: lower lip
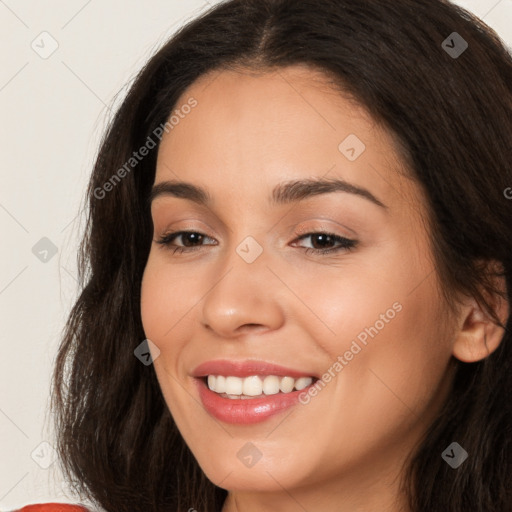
(247, 411)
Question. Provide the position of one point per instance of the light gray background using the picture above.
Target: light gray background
(53, 112)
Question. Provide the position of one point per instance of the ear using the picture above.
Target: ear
(478, 336)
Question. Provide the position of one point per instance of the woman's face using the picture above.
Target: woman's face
(250, 288)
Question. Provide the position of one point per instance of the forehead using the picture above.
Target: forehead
(253, 130)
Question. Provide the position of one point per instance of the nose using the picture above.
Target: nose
(244, 297)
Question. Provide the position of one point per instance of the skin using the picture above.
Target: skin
(344, 450)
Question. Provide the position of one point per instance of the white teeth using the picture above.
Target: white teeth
(271, 385)
(236, 387)
(252, 386)
(217, 383)
(302, 383)
(220, 383)
(287, 384)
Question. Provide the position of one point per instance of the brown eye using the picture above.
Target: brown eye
(323, 243)
(190, 240)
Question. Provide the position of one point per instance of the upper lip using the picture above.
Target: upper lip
(246, 368)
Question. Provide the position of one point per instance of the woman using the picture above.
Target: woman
(296, 269)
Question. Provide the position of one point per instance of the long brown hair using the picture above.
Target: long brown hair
(451, 113)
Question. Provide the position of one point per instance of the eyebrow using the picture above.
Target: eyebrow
(283, 193)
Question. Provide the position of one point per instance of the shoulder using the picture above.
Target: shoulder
(52, 507)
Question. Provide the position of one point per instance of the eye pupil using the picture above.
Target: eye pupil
(191, 237)
(323, 239)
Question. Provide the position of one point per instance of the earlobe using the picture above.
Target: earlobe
(479, 335)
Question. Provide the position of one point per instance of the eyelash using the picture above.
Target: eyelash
(346, 243)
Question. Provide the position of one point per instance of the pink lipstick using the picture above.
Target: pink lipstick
(246, 392)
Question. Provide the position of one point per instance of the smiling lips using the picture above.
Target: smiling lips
(248, 391)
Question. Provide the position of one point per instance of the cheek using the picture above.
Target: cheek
(398, 370)
(166, 297)
(386, 322)
(153, 301)
(163, 303)
(341, 305)
(168, 300)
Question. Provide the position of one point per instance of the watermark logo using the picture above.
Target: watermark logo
(454, 45)
(144, 150)
(355, 348)
(44, 455)
(44, 250)
(249, 249)
(249, 455)
(454, 455)
(45, 45)
(352, 147)
(147, 352)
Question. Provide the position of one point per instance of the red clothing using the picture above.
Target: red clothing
(52, 507)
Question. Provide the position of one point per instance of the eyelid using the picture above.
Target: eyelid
(322, 227)
(186, 225)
